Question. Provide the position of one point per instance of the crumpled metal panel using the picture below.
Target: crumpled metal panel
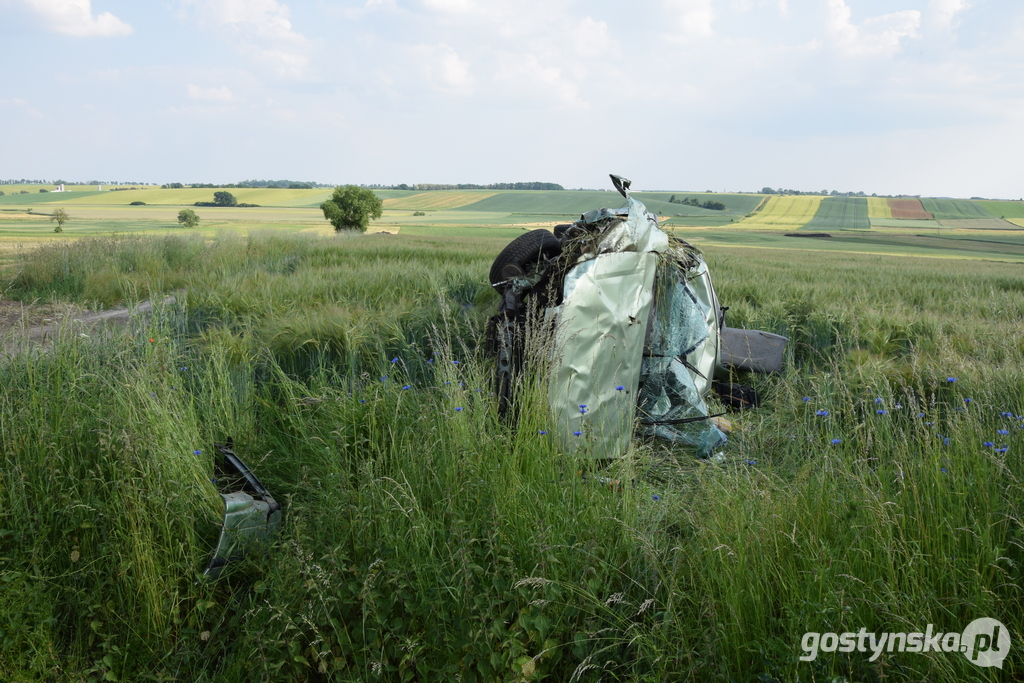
(601, 327)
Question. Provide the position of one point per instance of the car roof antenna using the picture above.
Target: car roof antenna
(621, 184)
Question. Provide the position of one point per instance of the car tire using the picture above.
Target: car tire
(522, 253)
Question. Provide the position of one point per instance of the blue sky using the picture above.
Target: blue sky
(901, 96)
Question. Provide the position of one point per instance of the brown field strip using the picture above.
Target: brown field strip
(909, 208)
(436, 201)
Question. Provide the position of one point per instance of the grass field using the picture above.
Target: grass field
(1004, 209)
(879, 208)
(903, 223)
(978, 224)
(186, 196)
(841, 213)
(954, 209)
(437, 200)
(425, 539)
(788, 212)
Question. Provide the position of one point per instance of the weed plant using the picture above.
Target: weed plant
(424, 539)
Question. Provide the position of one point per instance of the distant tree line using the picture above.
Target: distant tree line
(271, 184)
(426, 187)
(690, 201)
(833, 193)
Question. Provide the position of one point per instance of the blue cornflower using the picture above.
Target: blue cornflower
(928, 424)
(751, 462)
(1002, 449)
(462, 384)
(407, 387)
(447, 382)
(183, 369)
(458, 409)
(197, 452)
(430, 361)
(987, 444)
(1002, 431)
(822, 413)
(212, 480)
(878, 400)
(362, 400)
(577, 433)
(455, 362)
(620, 388)
(920, 414)
(583, 409)
(383, 378)
(881, 412)
(542, 432)
(806, 399)
(943, 470)
(837, 441)
(394, 360)
(951, 379)
(945, 442)
(968, 400)
(655, 497)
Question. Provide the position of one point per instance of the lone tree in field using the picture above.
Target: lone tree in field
(352, 208)
(61, 216)
(188, 218)
(224, 198)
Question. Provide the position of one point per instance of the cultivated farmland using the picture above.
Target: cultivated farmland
(437, 200)
(841, 213)
(1004, 209)
(878, 207)
(955, 209)
(909, 209)
(788, 212)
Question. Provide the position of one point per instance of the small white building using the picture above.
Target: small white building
(60, 188)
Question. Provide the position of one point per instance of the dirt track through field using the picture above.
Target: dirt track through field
(39, 325)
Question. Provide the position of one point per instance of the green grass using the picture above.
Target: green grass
(573, 203)
(1004, 209)
(421, 542)
(840, 213)
(45, 197)
(955, 209)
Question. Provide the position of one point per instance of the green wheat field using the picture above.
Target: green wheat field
(880, 486)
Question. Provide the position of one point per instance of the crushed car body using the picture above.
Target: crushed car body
(636, 330)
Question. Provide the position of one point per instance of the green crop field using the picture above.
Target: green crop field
(955, 209)
(841, 213)
(573, 203)
(426, 539)
(186, 196)
(437, 200)
(912, 223)
(45, 197)
(1004, 209)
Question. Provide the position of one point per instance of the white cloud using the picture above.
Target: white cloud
(75, 18)
(943, 12)
(221, 94)
(593, 39)
(442, 67)
(693, 18)
(877, 36)
(526, 73)
(258, 28)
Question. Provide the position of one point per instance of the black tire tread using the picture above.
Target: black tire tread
(524, 250)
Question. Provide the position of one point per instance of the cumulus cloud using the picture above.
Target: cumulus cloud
(943, 13)
(221, 94)
(258, 28)
(75, 18)
(877, 36)
(692, 18)
(443, 68)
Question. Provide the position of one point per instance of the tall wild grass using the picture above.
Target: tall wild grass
(424, 539)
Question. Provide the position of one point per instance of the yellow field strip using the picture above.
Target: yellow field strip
(784, 212)
(879, 208)
(436, 201)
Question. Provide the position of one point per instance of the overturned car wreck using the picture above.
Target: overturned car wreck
(635, 332)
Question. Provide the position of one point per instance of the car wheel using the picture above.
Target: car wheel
(522, 254)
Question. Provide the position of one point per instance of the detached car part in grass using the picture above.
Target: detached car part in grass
(251, 515)
(634, 326)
